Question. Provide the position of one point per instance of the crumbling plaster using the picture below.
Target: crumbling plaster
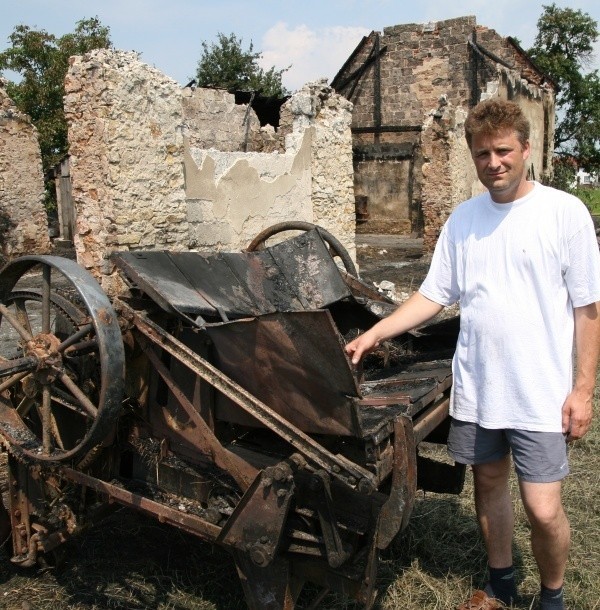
(232, 197)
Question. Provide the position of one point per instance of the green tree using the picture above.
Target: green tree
(563, 49)
(226, 64)
(42, 60)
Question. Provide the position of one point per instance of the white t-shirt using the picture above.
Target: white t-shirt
(517, 270)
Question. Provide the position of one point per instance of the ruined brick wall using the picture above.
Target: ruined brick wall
(517, 79)
(449, 176)
(416, 97)
(419, 63)
(158, 166)
(23, 220)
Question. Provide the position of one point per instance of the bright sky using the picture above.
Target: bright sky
(314, 36)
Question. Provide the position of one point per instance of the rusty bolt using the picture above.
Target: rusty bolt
(282, 493)
(365, 486)
(259, 557)
(335, 468)
(264, 540)
(17, 513)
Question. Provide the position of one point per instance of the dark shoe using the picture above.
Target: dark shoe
(480, 600)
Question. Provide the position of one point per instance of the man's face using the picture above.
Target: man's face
(500, 163)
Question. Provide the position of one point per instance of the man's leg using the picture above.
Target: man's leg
(550, 531)
(488, 451)
(494, 509)
(541, 463)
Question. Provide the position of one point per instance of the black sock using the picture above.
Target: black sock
(502, 585)
(552, 599)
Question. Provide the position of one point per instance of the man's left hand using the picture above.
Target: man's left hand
(576, 415)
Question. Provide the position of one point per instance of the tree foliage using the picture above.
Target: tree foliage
(563, 49)
(42, 61)
(227, 65)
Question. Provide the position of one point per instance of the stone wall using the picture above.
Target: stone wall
(328, 115)
(23, 220)
(232, 196)
(126, 145)
(157, 166)
(214, 120)
(412, 86)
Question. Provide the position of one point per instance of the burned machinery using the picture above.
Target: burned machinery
(216, 396)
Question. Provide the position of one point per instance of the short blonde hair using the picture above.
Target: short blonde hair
(494, 115)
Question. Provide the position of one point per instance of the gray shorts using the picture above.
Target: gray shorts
(539, 457)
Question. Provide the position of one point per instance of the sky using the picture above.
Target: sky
(314, 37)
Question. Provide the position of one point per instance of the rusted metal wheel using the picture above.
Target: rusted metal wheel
(335, 246)
(61, 360)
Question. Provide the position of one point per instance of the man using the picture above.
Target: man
(523, 262)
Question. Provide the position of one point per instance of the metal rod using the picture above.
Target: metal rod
(83, 400)
(46, 272)
(190, 523)
(26, 336)
(46, 420)
(20, 366)
(82, 332)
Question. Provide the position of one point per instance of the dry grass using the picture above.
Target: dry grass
(135, 563)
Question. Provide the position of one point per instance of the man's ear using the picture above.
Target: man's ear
(526, 150)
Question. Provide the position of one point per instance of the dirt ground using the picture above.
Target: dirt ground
(394, 258)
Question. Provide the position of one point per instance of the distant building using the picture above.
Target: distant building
(586, 179)
(412, 87)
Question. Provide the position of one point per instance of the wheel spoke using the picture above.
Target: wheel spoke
(23, 333)
(25, 405)
(12, 380)
(74, 338)
(46, 271)
(82, 399)
(56, 432)
(22, 315)
(19, 366)
(47, 444)
(81, 349)
(68, 402)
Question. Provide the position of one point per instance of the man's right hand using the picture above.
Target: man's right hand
(361, 346)
(411, 313)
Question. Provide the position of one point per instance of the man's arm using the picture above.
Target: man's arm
(577, 409)
(416, 310)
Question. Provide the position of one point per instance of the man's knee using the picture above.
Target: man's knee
(543, 504)
(492, 475)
